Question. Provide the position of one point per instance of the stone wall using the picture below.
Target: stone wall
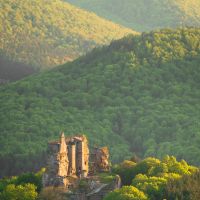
(57, 164)
(67, 157)
(100, 160)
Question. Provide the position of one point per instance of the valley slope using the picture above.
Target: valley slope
(140, 94)
(143, 15)
(45, 33)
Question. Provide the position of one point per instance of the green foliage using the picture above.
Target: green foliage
(146, 166)
(143, 15)
(126, 193)
(126, 171)
(23, 187)
(32, 178)
(153, 186)
(47, 33)
(19, 192)
(169, 168)
(139, 95)
(185, 188)
(158, 179)
(106, 177)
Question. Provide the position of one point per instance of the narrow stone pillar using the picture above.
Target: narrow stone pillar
(62, 158)
(82, 156)
(73, 159)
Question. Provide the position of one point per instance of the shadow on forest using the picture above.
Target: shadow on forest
(12, 165)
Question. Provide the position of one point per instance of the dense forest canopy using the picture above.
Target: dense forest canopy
(143, 15)
(138, 95)
(153, 179)
(148, 179)
(45, 33)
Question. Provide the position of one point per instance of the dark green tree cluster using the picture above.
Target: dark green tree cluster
(24, 187)
(155, 179)
(144, 15)
(138, 95)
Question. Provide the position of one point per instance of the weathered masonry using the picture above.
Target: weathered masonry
(68, 169)
(68, 159)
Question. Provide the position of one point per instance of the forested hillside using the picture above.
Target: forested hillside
(140, 95)
(45, 33)
(143, 15)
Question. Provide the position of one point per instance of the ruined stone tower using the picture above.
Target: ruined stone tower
(68, 157)
(62, 158)
(100, 160)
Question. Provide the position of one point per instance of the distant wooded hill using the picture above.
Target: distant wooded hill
(45, 33)
(138, 95)
(143, 15)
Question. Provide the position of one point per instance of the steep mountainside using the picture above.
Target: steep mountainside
(145, 15)
(46, 33)
(140, 94)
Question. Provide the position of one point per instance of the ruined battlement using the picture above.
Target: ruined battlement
(69, 160)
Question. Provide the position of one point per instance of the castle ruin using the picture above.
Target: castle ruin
(68, 161)
(68, 157)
